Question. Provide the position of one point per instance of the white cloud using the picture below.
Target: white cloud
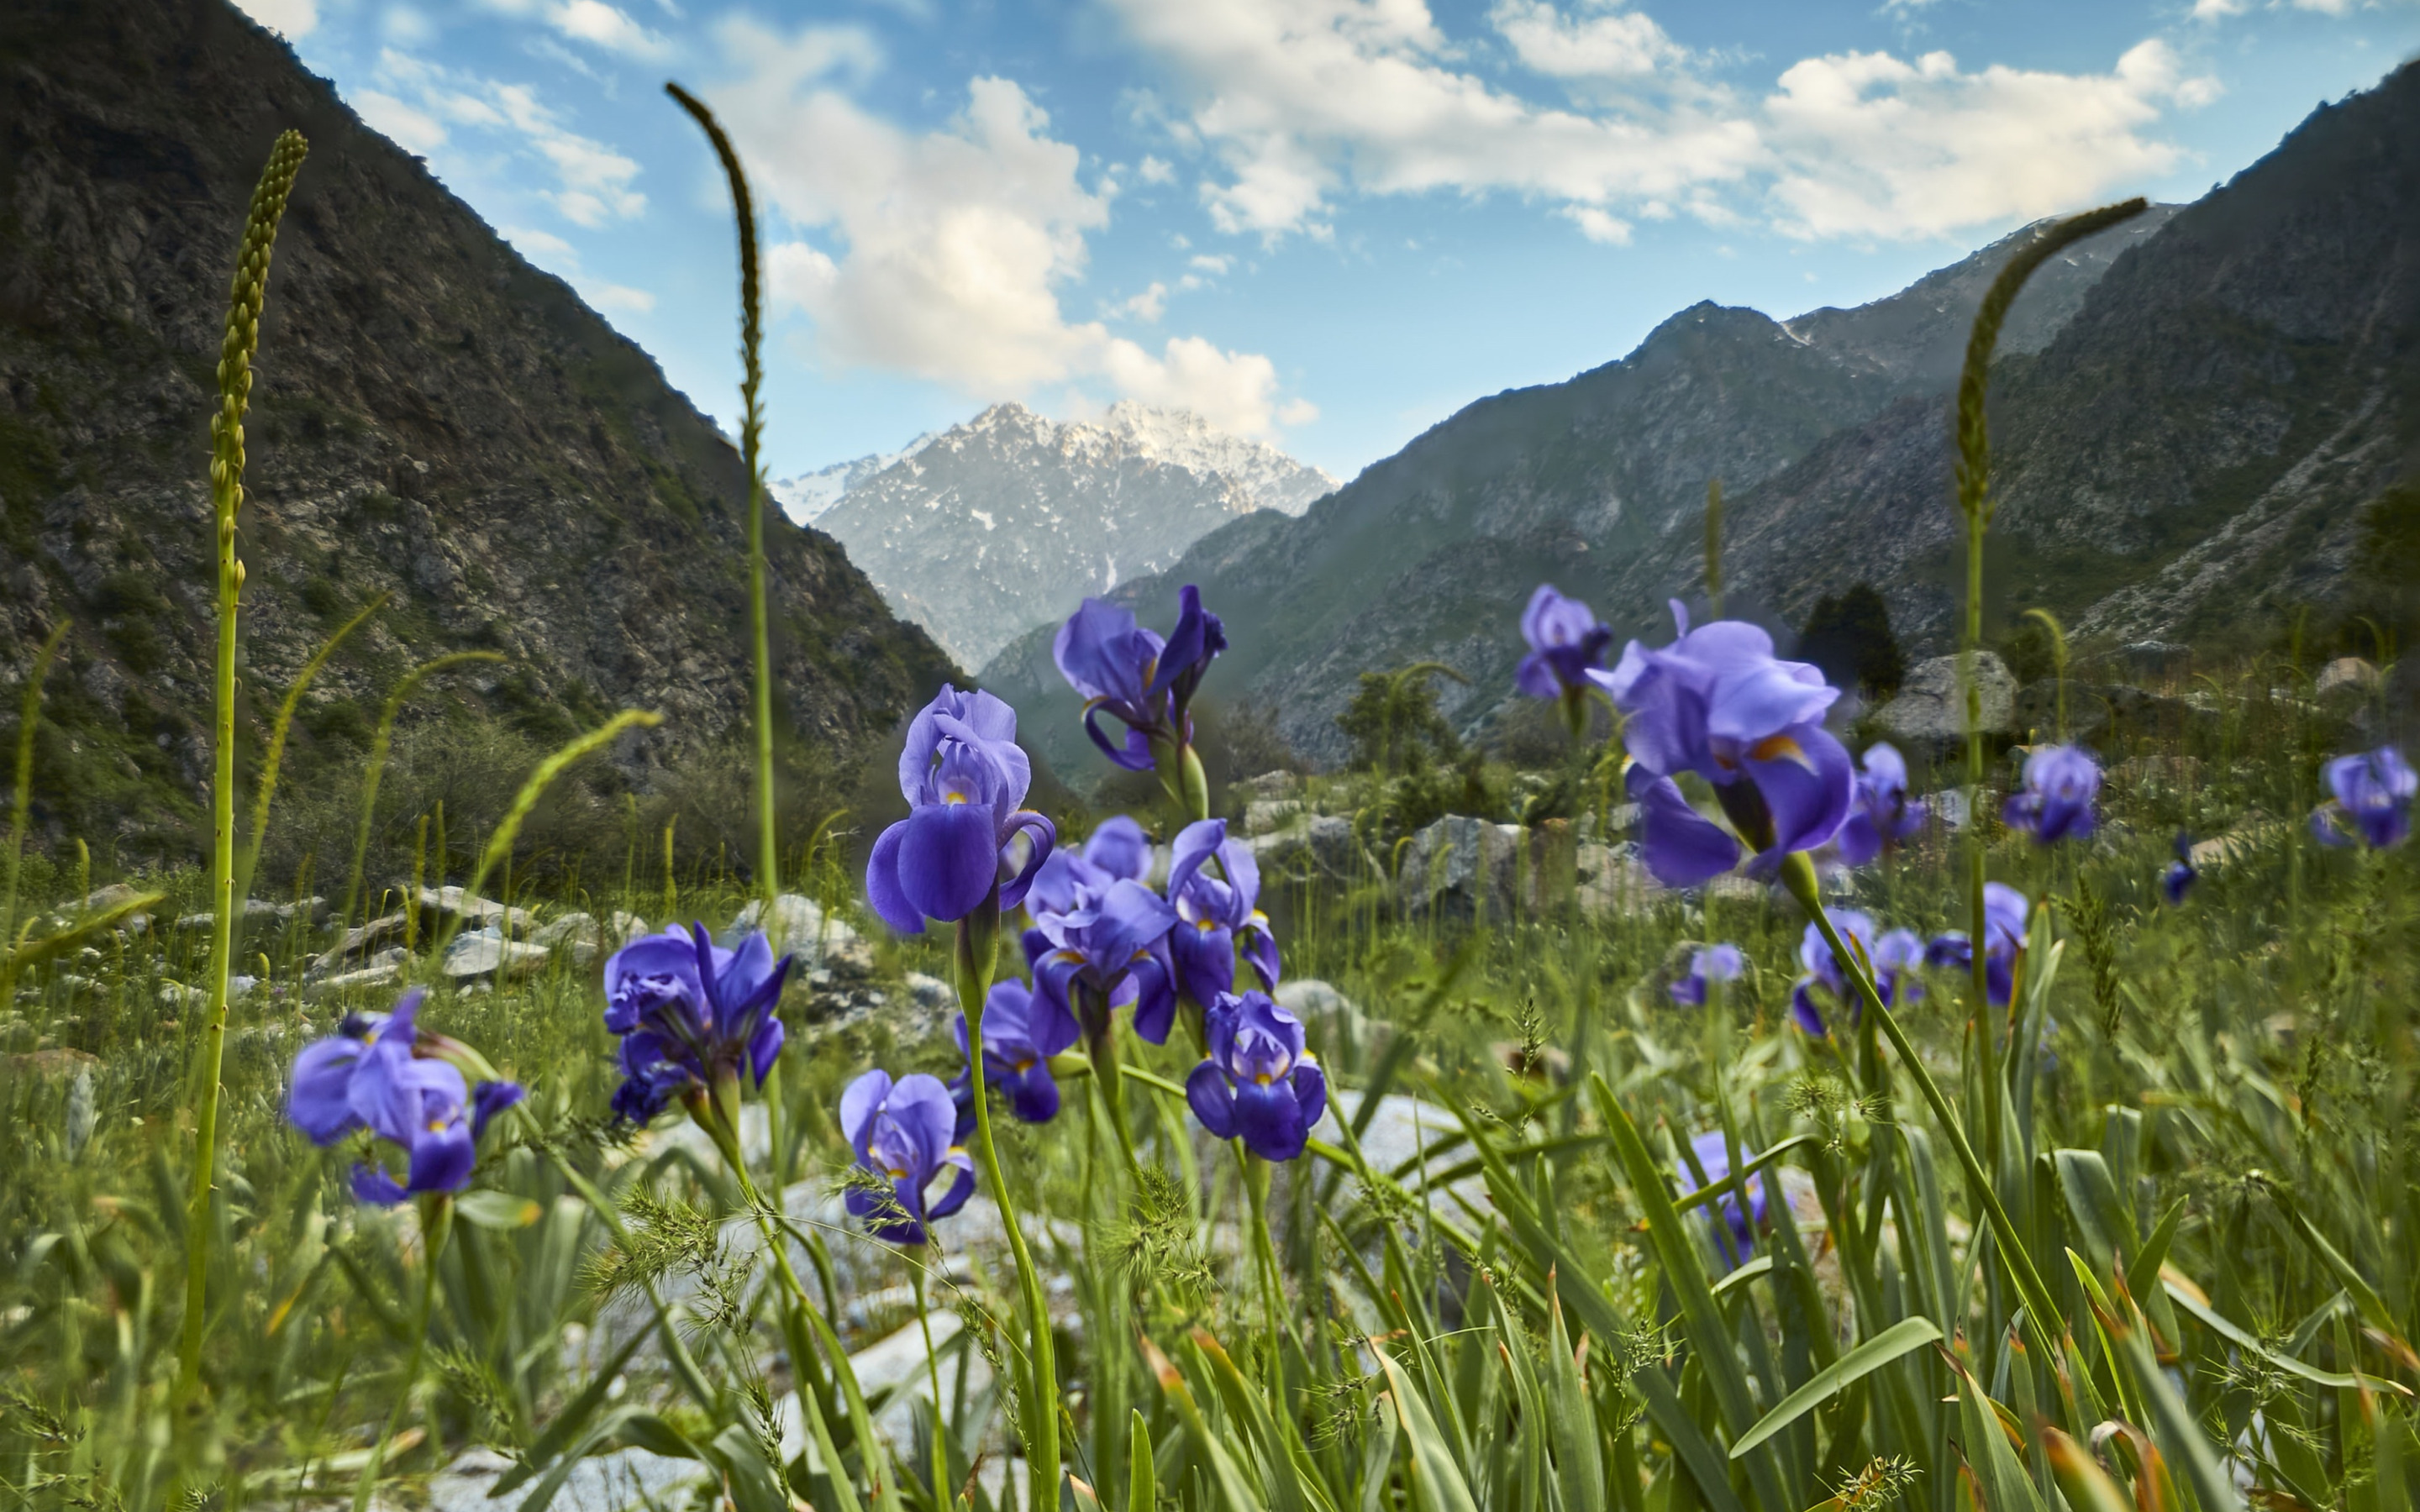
(619, 296)
(1155, 170)
(942, 253)
(414, 129)
(603, 25)
(591, 183)
(1149, 305)
(1874, 145)
(1213, 264)
(1304, 102)
(540, 243)
(1609, 44)
(1598, 226)
(295, 19)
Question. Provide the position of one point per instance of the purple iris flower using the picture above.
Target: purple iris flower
(2057, 801)
(1716, 963)
(1566, 643)
(1118, 849)
(1893, 958)
(1260, 1084)
(1110, 949)
(688, 1011)
(1719, 702)
(2372, 803)
(964, 779)
(904, 1133)
(1214, 915)
(2004, 910)
(1881, 815)
(1129, 673)
(1735, 1227)
(367, 1077)
(1017, 1056)
(2180, 877)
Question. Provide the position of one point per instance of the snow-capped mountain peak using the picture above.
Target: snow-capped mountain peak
(1009, 519)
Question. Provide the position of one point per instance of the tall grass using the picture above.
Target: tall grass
(2140, 1241)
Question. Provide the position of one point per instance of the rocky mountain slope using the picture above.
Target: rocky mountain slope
(995, 526)
(432, 418)
(1582, 481)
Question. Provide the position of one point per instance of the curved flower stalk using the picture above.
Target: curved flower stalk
(1146, 683)
(1567, 642)
(1734, 1227)
(692, 1017)
(1715, 963)
(2055, 802)
(903, 1133)
(1881, 814)
(1260, 1084)
(1215, 916)
(2004, 913)
(1894, 958)
(1719, 702)
(965, 781)
(246, 293)
(1020, 1035)
(2372, 802)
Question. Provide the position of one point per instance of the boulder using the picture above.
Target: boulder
(1321, 849)
(358, 939)
(2351, 676)
(801, 927)
(1263, 815)
(486, 953)
(474, 913)
(1613, 882)
(1928, 719)
(1463, 869)
(573, 935)
(2101, 715)
(1277, 784)
(2156, 659)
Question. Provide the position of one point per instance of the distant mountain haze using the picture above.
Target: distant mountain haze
(988, 529)
(2191, 413)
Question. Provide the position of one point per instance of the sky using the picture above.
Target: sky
(1328, 224)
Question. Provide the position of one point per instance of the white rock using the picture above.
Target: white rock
(2350, 673)
(485, 952)
(1929, 717)
(601, 1483)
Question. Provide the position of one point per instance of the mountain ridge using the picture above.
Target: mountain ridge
(433, 418)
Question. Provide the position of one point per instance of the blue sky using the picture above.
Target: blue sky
(1329, 223)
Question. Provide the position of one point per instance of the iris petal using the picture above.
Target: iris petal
(1683, 848)
(949, 860)
(1206, 1093)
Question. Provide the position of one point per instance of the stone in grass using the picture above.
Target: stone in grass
(487, 953)
(601, 1483)
(1928, 720)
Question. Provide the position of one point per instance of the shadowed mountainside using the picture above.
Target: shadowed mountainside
(432, 416)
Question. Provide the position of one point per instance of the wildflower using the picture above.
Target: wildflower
(1129, 673)
(2004, 910)
(1719, 702)
(1716, 963)
(1214, 915)
(1260, 1084)
(1566, 643)
(2179, 876)
(691, 1015)
(2372, 802)
(1891, 959)
(1734, 1226)
(1108, 950)
(903, 1133)
(1099, 935)
(2057, 802)
(378, 1072)
(964, 779)
(1881, 814)
(1017, 1056)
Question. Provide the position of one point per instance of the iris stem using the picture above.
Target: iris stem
(1798, 875)
(1103, 1049)
(978, 945)
(436, 1226)
(720, 1115)
(1256, 1183)
(915, 1269)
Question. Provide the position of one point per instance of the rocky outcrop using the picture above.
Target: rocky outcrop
(433, 419)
